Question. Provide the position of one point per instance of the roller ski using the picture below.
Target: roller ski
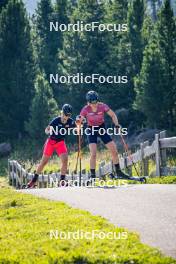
(63, 182)
(30, 185)
(131, 178)
(123, 176)
(33, 183)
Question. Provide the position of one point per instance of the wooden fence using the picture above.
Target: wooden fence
(155, 151)
(18, 176)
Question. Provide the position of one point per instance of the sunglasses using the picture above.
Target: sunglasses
(93, 102)
(68, 115)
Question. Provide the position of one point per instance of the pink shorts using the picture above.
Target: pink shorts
(52, 145)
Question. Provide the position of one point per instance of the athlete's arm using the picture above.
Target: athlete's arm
(79, 120)
(82, 116)
(47, 130)
(52, 123)
(113, 116)
(72, 123)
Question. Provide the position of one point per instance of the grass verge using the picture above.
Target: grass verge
(26, 221)
(162, 180)
(158, 180)
(151, 180)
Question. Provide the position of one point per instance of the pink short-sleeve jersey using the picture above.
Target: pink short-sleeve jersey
(95, 118)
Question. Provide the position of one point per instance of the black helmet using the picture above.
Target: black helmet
(67, 109)
(92, 97)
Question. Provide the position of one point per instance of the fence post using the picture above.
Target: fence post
(22, 176)
(47, 185)
(25, 181)
(157, 156)
(12, 173)
(112, 166)
(99, 170)
(124, 159)
(163, 151)
(17, 175)
(9, 171)
(42, 179)
(121, 162)
(126, 167)
(141, 159)
(144, 161)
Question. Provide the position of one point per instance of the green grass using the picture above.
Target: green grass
(3, 166)
(157, 180)
(162, 180)
(154, 180)
(25, 224)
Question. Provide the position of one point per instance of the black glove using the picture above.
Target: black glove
(118, 126)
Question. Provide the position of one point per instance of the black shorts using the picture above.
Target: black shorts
(99, 133)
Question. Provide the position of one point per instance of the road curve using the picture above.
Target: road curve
(147, 209)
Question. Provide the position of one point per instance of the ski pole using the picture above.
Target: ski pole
(126, 148)
(78, 152)
(79, 158)
(79, 155)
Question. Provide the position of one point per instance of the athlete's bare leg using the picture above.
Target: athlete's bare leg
(111, 146)
(42, 164)
(93, 154)
(64, 163)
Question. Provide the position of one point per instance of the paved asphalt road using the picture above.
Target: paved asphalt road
(149, 210)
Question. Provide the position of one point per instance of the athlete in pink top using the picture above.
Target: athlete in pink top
(94, 113)
(95, 118)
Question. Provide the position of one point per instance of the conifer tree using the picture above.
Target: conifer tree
(148, 27)
(135, 24)
(166, 27)
(83, 52)
(118, 58)
(156, 84)
(149, 86)
(17, 70)
(49, 41)
(46, 44)
(3, 3)
(43, 109)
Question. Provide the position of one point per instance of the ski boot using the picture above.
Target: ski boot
(63, 182)
(121, 175)
(33, 182)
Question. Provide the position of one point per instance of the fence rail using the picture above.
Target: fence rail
(156, 151)
(18, 176)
